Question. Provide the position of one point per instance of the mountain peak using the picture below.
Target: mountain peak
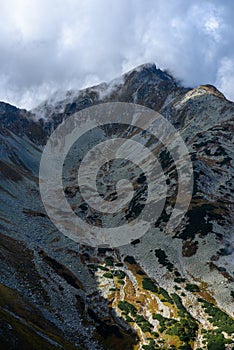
(212, 90)
(149, 66)
(150, 69)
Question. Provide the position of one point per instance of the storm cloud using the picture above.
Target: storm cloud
(48, 46)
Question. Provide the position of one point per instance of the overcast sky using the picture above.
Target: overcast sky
(50, 45)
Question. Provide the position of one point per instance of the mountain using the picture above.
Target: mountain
(161, 291)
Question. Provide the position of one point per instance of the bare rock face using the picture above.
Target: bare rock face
(159, 292)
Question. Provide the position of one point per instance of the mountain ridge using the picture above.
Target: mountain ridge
(77, 288)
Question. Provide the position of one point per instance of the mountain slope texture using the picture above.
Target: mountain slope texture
(161, 291)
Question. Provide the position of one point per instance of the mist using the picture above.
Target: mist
(49, 46)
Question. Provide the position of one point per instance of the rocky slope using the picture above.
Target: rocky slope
(159, 292)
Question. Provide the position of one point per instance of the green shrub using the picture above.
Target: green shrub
(166, 296)
(192, 287)
(120, 274)
(219, 318)
(148, 284)
(179, 280)
(151, 345)
(95, 267)
(157, 317)
(119, 264)
(108, 275)
(103, 268)
(163, 259)
(129, 319)
(145, 327)
(109, 261)
(178, 302)
(185, 347)
(139, 318)
(143, 323)
(127, 307)
(121, 282)
(155, 334)
(177, 330)
(215, 341)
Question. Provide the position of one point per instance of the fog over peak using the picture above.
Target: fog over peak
(49, 46)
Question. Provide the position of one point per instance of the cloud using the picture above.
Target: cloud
(54, 45)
